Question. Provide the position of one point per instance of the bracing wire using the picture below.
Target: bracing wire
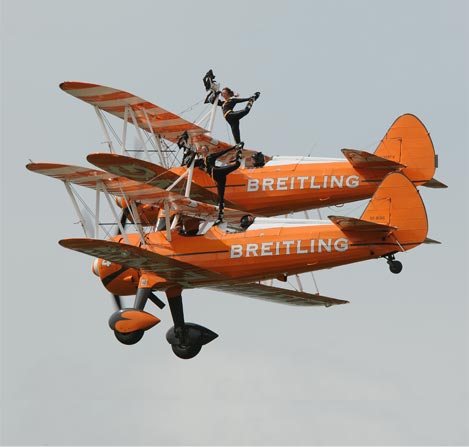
(190, 107)
(88, 209)
(119, 141)
(315, 283)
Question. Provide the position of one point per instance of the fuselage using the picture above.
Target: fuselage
(264, 253)
(287, 184)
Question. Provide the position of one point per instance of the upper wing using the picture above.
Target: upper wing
(91, 178)
(160, 121)
(147, 173)
(132, 190)
(277, 294)
(362, 159)
(163, 123)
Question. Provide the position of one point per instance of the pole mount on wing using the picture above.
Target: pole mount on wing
(213, 92)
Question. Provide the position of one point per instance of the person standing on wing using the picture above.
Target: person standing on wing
(219, 173)
(231, 116)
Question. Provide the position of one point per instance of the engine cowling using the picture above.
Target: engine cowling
(119, 280)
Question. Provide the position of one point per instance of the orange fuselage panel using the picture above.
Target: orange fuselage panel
(263, 253)
(280, 189)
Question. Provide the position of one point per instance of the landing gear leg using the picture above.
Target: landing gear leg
(394, 266)
(186, 339)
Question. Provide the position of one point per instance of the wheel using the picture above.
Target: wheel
(395, 267)
(129, 338)
(186, 351)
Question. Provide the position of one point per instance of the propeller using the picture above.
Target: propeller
(123, 221)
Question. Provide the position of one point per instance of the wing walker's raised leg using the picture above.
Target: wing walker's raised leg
(186, 339)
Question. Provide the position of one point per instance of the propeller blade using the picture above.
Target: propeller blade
(123, 221)
(156, 300)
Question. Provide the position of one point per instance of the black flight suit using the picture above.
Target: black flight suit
(233, 117)
(218, 173)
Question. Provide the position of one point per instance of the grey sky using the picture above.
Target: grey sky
(389, 368)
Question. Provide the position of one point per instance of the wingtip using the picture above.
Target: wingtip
(70, 242)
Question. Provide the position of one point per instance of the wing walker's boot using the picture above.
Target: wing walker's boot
(220, 214)
(252, 99)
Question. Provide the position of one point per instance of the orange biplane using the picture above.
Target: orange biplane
(395, 220)
(283, 184)
(184, 250)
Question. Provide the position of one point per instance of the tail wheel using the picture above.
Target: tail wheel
(395, 267)
(129, 338)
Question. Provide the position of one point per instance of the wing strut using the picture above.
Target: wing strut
(124, 129)
(168, 220)
(157, 141)
(77, 209)
(103, 127)
(121, 228)
(99, 184)
(189, 180)
(139, 133)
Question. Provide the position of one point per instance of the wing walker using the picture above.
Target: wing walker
(190, 211)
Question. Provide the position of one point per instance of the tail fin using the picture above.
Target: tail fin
(397, 203)
(408, 142)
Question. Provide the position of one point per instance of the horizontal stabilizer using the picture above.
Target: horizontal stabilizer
(277, 294)
(366, 160)
(434, 183)
(353, 224)
(431, 241)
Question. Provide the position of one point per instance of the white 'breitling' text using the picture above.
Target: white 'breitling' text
(302, 182)
(289, 247)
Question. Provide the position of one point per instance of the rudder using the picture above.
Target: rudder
(408, 142)
(397, 203)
